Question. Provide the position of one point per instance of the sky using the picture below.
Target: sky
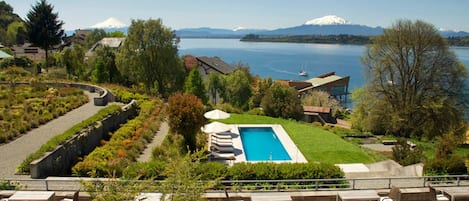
(258, 14)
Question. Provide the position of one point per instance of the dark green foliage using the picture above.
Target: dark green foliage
(195, 85)
(7, 17)
(150, 56)
(16, 33)
(238, 89)
(405, 155)
(72, 59)
(148, 170)
(215, 87)
(212, 170)
(282, 101)
(185, 113)
(416, 85)
(259, 89)
(44, 27)
(100, 74)
(9, 185)
(453, 165)
(274, 171)
(108, 55)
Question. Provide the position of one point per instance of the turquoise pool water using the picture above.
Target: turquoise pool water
(262, 144)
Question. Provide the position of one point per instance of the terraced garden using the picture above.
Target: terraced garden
(25, 107)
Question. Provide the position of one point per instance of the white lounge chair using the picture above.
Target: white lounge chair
(219, 136)
(214, 139)
(222, 144)
(226, 156)
(215, 147)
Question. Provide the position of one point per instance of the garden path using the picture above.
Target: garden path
(156, 141)
(14, 152)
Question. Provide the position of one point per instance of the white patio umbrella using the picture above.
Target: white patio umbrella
(216, 114)
(215, 127)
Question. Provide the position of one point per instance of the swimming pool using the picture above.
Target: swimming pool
(262, 144)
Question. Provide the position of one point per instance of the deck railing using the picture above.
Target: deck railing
(74, 184)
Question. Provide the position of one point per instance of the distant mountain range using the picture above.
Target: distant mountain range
(327, 25)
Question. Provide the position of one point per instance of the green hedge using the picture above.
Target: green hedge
(245, 171)
(60, 139)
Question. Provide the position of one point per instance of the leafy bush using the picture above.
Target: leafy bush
(148, 170)
(212, 170)
(405, 155)
(452, 166)
(282, 101)
(185, 113)
(9, 185)
(274, 171)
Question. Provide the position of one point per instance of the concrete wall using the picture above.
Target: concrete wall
(59, 161)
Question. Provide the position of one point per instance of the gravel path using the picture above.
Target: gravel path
(14, 152)
(156, 141)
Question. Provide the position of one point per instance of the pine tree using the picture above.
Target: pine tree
(195, 85)
(44, 27)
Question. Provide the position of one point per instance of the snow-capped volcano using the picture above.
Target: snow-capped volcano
(110, 23)
(327, 20)
(238, 28)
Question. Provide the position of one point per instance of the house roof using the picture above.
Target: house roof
(4, 55)
(217, 64)
(111, 42)
(318, 81)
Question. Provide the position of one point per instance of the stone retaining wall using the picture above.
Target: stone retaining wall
(59, 161)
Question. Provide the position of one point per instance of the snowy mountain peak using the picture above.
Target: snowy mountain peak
(238, 28)
(327, 20)
(109, 23)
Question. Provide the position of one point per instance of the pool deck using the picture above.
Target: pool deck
(292, 150)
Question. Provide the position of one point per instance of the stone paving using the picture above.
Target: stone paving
(156, 141)
(14, 152)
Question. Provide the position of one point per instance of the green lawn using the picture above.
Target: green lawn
(316, 144)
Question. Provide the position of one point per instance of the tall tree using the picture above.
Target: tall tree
(6, 18)
(416, 85)
(149, 55)
(238, 89)
(195, 85)
(72, 59)
(44, 27)
(215, 87)
(108, 57)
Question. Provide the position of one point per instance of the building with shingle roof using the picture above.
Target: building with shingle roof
(208, 65)
(111, 42)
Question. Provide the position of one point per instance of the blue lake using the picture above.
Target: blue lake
(285, 60)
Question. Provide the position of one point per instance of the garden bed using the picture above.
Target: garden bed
(25, 107)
